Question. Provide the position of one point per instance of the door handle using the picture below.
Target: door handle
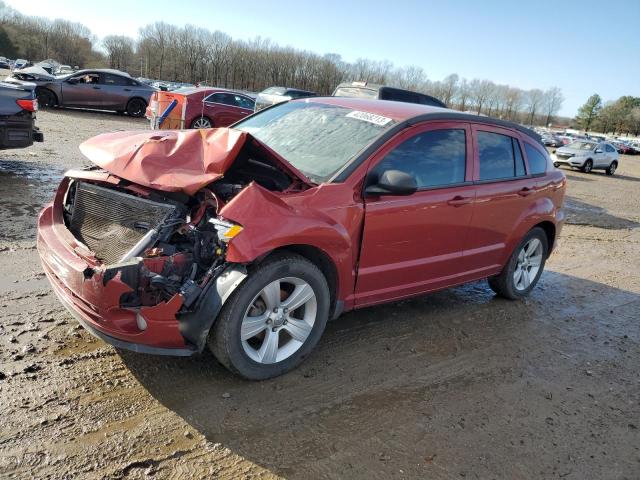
(127, 89)
(526, 191)
(96, 88)
(458, 201)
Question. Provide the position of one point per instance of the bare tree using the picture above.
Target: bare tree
(552, 102)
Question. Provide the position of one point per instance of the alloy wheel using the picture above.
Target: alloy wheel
(528, 264)
(202, 123)
(279, 320)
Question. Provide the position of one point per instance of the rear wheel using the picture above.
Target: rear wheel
(136, 107)
(611, 169)
(587, 167)
(273, 320)
(46, 98)
(523, 270)
(201, 122)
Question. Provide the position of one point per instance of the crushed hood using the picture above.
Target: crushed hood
(173, 160)
(36, 73)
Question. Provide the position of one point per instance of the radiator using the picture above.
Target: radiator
(111, 223)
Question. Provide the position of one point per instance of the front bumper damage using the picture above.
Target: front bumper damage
(96, 293)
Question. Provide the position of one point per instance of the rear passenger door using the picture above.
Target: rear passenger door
(116, 91)
(505, 193)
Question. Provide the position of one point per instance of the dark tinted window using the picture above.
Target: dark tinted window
(109, 79)
(223, 98)
(243, 102)
(609, 148)
(297, 94)
(537, 161)
(434, 158)
(399, 96)
(497, 158)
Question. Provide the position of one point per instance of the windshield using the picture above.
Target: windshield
(582, 145)
(355, 92)
(317, 139)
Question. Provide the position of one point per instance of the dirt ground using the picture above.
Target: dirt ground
(457, 384)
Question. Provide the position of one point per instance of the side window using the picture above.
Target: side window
(434, 158)
(497, 156)
(223, 98)
(117, 80)
(537, 161)
(243, 102)
(609, 148)
(88, 78)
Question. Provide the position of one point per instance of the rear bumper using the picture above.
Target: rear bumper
(80, 284)
(18, 131)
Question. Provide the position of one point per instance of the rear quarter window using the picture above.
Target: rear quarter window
(537, 161)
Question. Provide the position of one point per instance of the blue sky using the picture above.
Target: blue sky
(583, 47)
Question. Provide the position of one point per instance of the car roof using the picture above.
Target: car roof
(103, 70)
(415, 112)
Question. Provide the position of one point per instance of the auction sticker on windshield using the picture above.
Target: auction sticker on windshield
(369, 117)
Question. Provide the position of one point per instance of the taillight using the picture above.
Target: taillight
(29, 105)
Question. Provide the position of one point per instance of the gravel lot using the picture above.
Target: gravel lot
(457, 384)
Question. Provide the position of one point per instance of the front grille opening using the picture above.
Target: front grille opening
(110, 223)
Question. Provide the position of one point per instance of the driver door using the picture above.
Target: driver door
(413, 244)
(82, 90)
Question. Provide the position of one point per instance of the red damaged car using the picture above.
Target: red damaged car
(248, 239)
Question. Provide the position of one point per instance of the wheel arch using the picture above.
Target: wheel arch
(55, 96)
(550, 232)
(324, 262)
(137, 98)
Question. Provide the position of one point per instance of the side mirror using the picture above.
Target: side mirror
(73, 80)
(392, 182)
(598, 150)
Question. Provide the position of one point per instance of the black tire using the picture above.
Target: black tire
(224, 339)
(201, 122)
(587, 167)
(503, 284)
(46, 98)
(611, 169)
(136, 107)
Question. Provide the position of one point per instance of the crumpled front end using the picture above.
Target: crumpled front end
(146, 268)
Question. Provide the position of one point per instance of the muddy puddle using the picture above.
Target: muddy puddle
(24, 188)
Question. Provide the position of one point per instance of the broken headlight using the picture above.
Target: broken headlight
(225, 230)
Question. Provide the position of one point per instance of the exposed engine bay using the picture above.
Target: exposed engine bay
(158, 243)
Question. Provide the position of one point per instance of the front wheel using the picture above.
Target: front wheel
(588, 166)
(523, 270)
(273, 320)
(611, 169)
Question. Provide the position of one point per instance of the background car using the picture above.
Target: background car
(274, 95)
(383, 92)
(623, 148)
(18, 105)
(198, 107)
(587, 156)
(101, 89)
(551, 140)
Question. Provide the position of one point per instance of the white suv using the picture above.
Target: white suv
(587, 155)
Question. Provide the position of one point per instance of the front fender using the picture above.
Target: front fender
(270, 223)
